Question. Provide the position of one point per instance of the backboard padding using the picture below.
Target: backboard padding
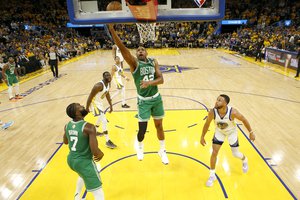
(165, 13)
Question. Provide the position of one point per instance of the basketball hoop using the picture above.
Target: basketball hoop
(146, 32)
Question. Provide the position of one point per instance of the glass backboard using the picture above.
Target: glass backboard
(94, 12)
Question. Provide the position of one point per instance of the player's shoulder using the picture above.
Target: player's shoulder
(89, 128)
(233, 111)
(98, 86)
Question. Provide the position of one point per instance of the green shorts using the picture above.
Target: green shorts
(87, 170)
(150, 107)
(11, 80)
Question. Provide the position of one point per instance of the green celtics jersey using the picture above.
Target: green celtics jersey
(78, 142)
(145, 71)
(10, 70)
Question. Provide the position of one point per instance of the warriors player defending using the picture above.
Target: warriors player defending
(117, 73)
(224, 116)
(147, 76)
(94, 103)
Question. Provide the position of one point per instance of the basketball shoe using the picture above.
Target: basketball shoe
(211, 180)
(139, 148)
(163, 156)
(245, 165)
(110, 144)
(7, 125)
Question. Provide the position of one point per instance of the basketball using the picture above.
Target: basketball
(114, 5)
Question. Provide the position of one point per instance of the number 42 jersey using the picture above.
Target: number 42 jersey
(145, 71)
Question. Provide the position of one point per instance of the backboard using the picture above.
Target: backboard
(94, 12)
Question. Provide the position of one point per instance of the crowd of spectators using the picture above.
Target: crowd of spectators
(29, 28)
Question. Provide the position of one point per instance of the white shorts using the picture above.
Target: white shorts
(96, 108)
(118, 83)
(220, 138)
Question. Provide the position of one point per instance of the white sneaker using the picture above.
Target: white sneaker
(245, 167)
(7, 125)
(211, 180)
(163, 156)
(139, 151)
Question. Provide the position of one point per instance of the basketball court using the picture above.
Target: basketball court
(33, 157)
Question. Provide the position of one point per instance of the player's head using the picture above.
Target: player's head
(76, 111)
(11, 60)
(141, 53)
(107, 77)
(222, 101)
(117, 60)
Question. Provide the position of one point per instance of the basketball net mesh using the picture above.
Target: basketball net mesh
(146, 31)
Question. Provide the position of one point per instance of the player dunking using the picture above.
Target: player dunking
(147, 76)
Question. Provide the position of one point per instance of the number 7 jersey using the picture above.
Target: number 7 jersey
(145, 71)
(78, 142)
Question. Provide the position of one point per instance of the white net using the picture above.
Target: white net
(146, 31)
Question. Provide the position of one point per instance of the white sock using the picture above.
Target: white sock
(162, 145)
(140, 144)
(123, 95)
(98, 194)
(212, 172)
(79, 187)
(17, 89)
(106, 137)
(10, 95)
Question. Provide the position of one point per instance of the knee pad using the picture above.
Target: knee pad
(142, 131)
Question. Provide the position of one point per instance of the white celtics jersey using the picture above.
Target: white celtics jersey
(119, 54)
(224, 125)
(97, 100)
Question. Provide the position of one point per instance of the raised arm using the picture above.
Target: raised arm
(97, 88)
(114, 52)
(90, 130)
(158, 80)
(209, 118)
(236, 114)
(130, 59)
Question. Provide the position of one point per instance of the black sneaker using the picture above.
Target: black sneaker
(125, 106)
(99, 134)
(110, 144)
